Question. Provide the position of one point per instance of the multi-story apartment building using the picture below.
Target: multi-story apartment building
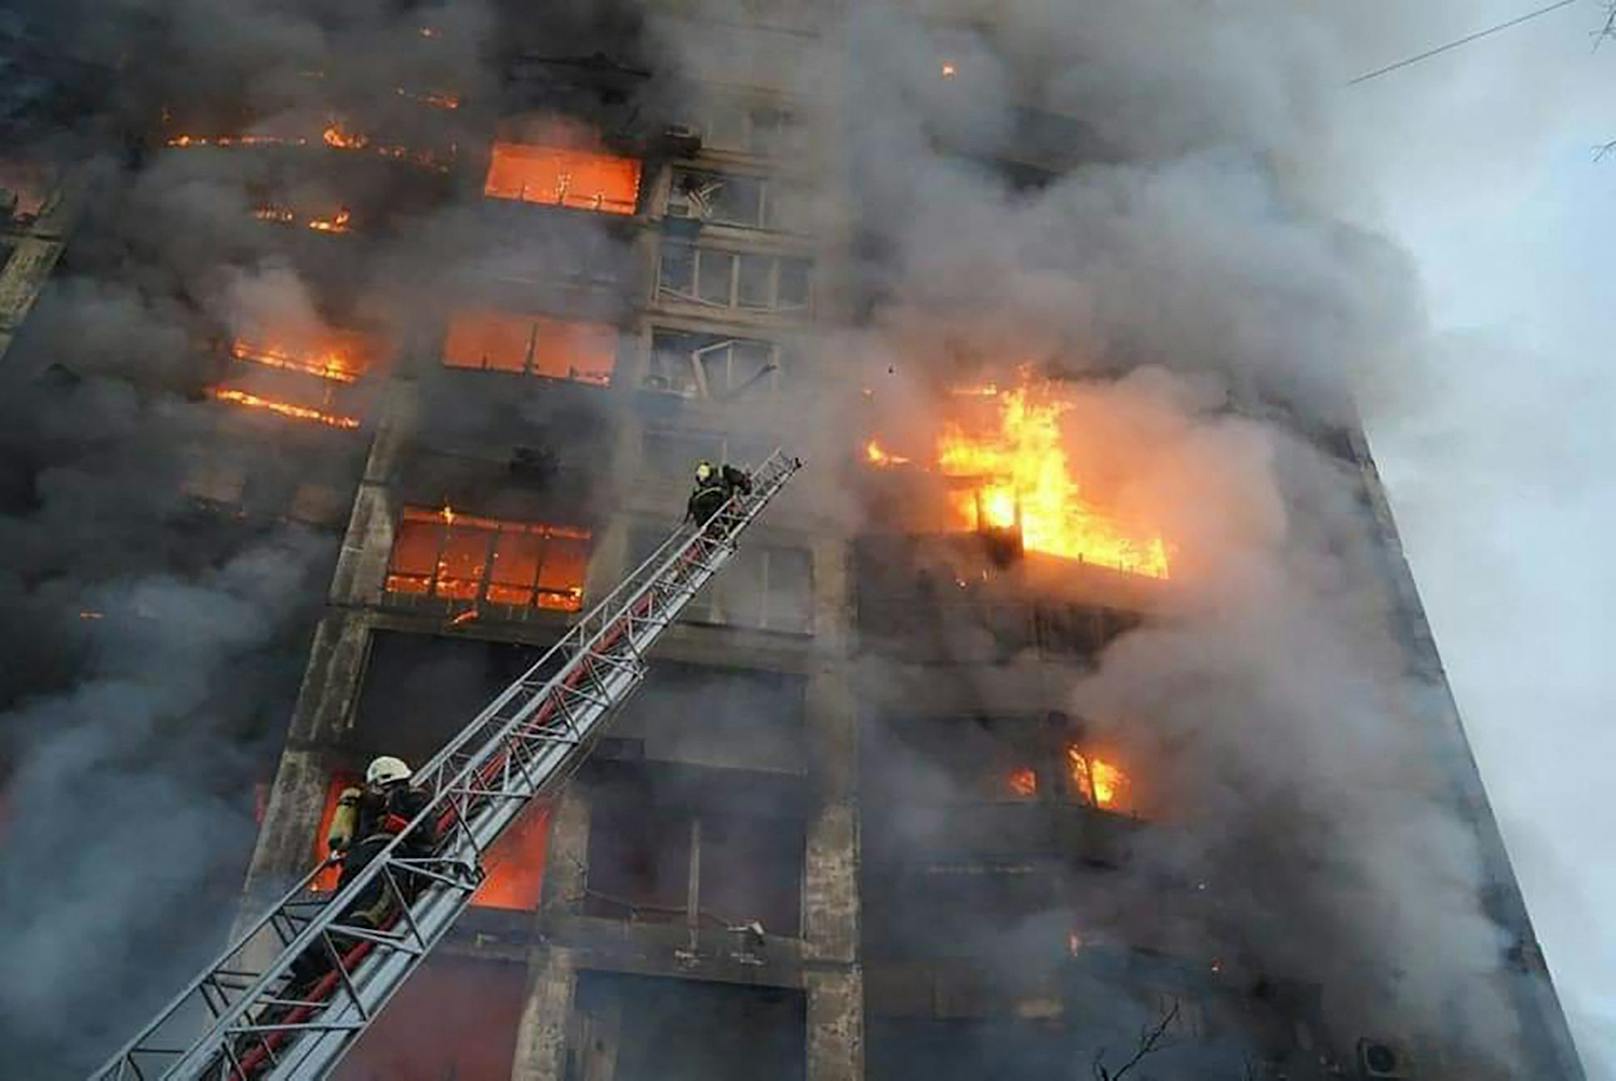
(850, 828)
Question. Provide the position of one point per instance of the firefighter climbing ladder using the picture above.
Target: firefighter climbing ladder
(243, 1020)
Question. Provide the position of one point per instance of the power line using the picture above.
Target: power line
(1462, 41)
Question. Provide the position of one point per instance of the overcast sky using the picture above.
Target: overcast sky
(1499, 470)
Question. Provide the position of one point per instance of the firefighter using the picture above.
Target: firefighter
(710, 494)
(379, 813)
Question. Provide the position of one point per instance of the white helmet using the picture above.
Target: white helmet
(386, 769)
(704, 470)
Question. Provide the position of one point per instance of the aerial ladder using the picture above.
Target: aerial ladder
(249, 1017)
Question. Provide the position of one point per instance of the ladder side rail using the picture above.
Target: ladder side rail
(445, 904)
(584, 641)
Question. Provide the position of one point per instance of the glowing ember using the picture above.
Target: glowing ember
(949, 70)
(331, 364)
(337, 223)
(437, 99)
(1097, 781)
(281, 215)
(448, 514)
(1019, 476)
(285, 409)
(878, 456)
(87, 614)
(191, 141)
(344, 140)
(1023, 782)
(464, 617)
(338, 137)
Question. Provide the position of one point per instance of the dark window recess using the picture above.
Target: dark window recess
(420, 689)
(751, 869)
(724, 717)
(639, 1028)
(898, 1050)
(639, 857)
(712, 366)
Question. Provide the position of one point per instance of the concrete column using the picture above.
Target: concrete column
(567, 861)
(835, 1025)
(541, 1038)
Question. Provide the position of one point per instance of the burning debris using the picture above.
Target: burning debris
(249, 400)
(338, 136)
(193, 142)
(434, 99)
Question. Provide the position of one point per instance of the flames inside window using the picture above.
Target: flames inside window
(1099, 782)
(558, 349)
(339, 356)
(443, 553)
(563, 176)
(1007, 469)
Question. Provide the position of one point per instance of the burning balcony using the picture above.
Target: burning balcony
(335, 355)
(491, 340)
(561, 164)
(1002, 466)
(458, 557)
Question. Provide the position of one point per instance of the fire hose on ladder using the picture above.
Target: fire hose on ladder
(296, 989)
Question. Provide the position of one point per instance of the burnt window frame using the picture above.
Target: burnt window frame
(700, 254)
(717, 606)
(664, 374)
(535, 323)
(765, 129)
(548, 532)
(684, 199)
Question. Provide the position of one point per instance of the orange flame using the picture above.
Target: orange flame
(1019, 475)
(876, 455)
(1099, 782)
(285, 409)
(464, 617)
(1023, 782)
(337, 223)
(338, 137)
(448, 514)
(190, 141)
(330, 365)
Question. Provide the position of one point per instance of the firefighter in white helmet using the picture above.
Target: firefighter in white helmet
(368, 819)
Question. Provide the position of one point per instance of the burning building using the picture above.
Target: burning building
(910, 793)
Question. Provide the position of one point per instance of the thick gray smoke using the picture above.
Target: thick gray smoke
(1272, 708)
(1192, 248)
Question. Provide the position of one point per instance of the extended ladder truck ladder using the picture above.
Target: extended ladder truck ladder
(248, 1018)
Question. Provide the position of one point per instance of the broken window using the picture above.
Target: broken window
(563, 176)
(751, 202)
(712, 366)
(492, 340)
(725, 279)
(445, 554)
(767, 587)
